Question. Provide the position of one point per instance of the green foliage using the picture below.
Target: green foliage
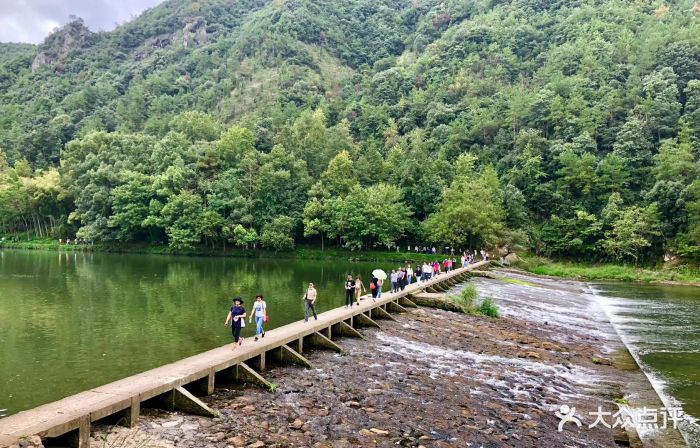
(277, 234)
(488, 307)
(632, 230)
(572, 127)
(196, 126)
(467, 298)
(470, 213)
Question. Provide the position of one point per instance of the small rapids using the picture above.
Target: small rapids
(656, 332)
(513, 378)
(568, 311)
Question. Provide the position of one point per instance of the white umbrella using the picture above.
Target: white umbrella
(381, 275)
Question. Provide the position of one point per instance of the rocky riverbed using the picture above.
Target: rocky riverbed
(433, 378)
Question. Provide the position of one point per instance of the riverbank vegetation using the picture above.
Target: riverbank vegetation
(571, 128)
(677, 272)
(303, 251)
(468, 298)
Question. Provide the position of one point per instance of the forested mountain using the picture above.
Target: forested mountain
(572, 127)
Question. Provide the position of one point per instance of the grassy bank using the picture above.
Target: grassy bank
(682, 273)
(301, 252)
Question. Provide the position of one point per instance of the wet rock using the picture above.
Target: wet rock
(550, 346)
(30, 442)
(296, 424)
(601, 361)
(236, 441)
(172, 424)
(379, 432)
(529, 424)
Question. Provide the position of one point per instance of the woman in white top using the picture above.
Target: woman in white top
(310, 302)
(259, 311)
(409, 274)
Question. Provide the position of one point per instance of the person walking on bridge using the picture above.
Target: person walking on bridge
(236, 316)
(394, 281)
(374, 286)
(402, 278)
(260, 312)
(349, 291)
(359, 289)
(310, 302)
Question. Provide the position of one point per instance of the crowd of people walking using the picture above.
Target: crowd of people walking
(355, 290)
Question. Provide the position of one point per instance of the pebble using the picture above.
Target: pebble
(380, 432)
(296, 424)
(172, 424)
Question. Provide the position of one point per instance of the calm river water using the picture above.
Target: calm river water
(661, 325)
(72, 321)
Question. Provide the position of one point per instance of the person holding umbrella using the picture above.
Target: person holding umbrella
(380, 276)
(373, 284)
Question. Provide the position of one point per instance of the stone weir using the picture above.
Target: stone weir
(175, 386)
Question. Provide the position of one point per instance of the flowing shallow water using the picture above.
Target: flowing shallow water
(73, 321)
(660, 324)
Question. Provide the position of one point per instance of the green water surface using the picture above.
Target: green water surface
(73, 321)
(661, 323)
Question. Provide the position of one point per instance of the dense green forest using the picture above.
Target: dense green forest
(572, 127)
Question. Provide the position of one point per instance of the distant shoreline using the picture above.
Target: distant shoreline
(685, 275)
(678, 275)
(300, 252)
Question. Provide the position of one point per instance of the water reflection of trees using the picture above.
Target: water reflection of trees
(94, 318)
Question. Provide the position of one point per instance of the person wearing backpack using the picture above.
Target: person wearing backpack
(260, 312)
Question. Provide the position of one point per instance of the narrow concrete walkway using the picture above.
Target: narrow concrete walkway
(74, 414)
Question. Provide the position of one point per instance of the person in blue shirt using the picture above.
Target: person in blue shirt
(236, 316)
